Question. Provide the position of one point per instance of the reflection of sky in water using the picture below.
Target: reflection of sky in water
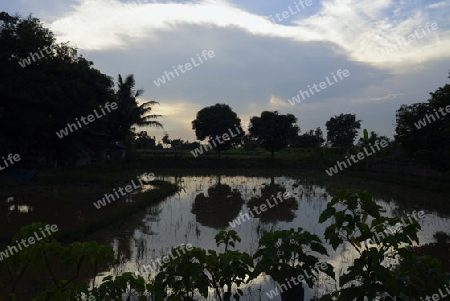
(172, 223)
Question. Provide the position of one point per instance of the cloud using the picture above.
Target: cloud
(177, 116)
(277, 102)
(103, 24)
(379, 99)
(362, 30)
(259, 64)
(436, 5)
(359, 29)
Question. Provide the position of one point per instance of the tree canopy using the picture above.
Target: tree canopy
(342, 130)
(47, 86)
(273, 131)
(311, 139)
(48, 93)
(214, 121)
(423, 130)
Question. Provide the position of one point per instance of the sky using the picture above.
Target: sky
(364, 57)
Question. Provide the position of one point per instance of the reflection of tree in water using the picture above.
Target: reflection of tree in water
(279, 211)
(221, 206)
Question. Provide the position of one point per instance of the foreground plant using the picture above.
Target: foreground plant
(198, 270)
(48, 255)
(114, 288)
(284, 255)
(387, 269)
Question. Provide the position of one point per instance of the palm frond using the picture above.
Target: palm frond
(150, 123)
(131, 112)
(152, 116)
(138, 93)
(148, 103)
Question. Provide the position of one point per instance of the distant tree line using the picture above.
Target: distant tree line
(422, 130)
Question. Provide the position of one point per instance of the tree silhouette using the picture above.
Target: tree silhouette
(281, 211)
(54, 88)
(429, 139)
(221, 206)
(274, 131)
(214, 123)
(311, 139)
(342, 130)
(129, 112)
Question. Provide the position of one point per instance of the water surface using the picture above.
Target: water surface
(207, 204)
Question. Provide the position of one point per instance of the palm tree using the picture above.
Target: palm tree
(129, 112)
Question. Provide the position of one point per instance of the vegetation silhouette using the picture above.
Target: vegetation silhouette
(214, 122)
(59, 89)
(221, 206)
(423, 129)
(273, 131)
(342, 130)
(130, 112)
(283, 211)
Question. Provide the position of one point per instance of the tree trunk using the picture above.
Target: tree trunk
(273, 155)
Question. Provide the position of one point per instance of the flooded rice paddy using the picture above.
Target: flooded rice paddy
(207, 204)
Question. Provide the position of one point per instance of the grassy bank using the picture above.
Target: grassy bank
(116, 214)
(388, 169)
